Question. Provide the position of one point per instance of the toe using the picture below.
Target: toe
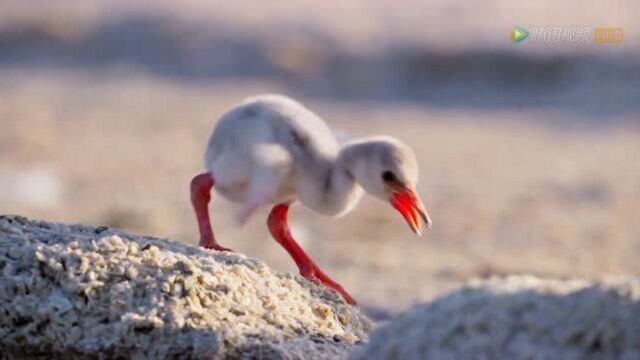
(215, 246)
(310, 275)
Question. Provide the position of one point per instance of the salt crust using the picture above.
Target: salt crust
(518, 317)
(78, 291)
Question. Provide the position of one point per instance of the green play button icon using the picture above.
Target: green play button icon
(518, 34)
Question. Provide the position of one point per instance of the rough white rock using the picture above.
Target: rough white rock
(78, 291)
(517, 318)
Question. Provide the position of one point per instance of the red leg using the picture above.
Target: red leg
(200, 196)
(280, 230)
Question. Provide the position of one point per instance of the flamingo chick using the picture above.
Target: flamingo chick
(271, 150)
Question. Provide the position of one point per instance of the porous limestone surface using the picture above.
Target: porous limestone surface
(518, 317)
(76, 291)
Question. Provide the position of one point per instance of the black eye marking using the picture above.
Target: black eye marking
(388, 176)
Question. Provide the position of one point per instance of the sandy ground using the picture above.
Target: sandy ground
(509, 191)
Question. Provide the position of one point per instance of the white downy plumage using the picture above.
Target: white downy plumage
(270, 149)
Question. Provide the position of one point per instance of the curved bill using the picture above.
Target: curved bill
(410, 206)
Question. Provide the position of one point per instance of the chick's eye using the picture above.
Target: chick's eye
(388, 176)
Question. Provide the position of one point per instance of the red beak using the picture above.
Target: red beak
(410, 206)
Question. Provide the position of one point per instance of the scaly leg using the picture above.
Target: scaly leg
(280, 230)
(200, 196)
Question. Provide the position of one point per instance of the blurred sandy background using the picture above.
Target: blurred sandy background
(529, 152)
